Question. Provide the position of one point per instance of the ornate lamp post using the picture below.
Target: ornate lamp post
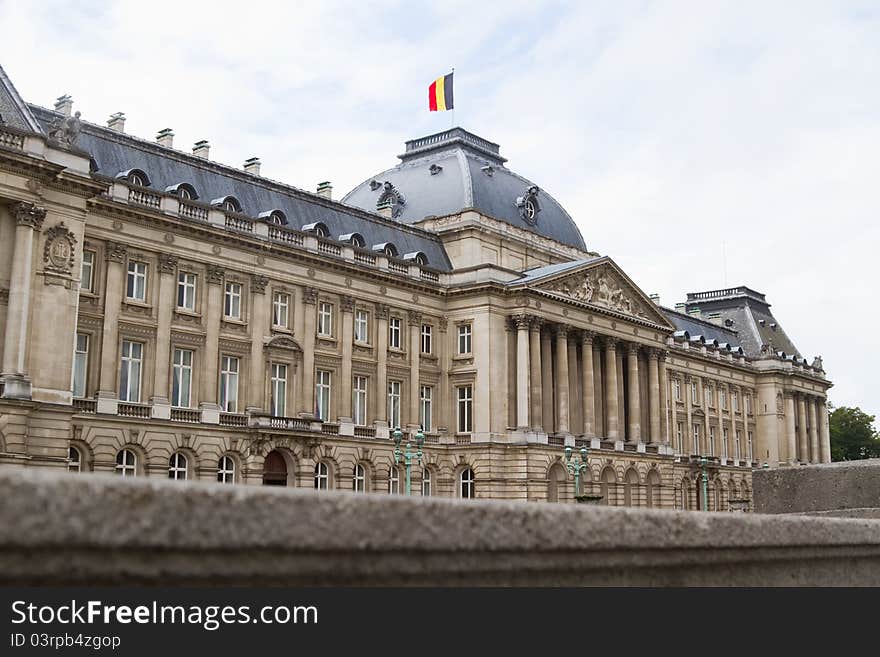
(705, 480)
(407, 454)
(575, 467)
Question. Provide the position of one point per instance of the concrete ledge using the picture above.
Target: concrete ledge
(831, 488)
(60, 528)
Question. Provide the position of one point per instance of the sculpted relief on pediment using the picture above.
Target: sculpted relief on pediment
(600, 287)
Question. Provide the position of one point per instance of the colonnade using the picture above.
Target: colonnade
(806, 428)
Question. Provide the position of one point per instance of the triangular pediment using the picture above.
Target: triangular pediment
(603, 284)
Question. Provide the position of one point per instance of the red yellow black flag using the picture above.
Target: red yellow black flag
(440, 94)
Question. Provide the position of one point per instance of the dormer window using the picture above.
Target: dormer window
(387, 249)
(183, 191)
(355, 239)
(227, 204)
(135, 177)
(318, 228)
(275, 217)
(417, 257)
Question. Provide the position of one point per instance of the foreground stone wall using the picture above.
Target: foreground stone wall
(60, 528)
(849, 489)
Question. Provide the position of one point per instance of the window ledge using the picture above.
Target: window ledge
(233, 320)
(282, 329)
(136, 302)
(466, 356)
(186, 312)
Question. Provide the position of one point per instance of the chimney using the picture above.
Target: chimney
(693, 312)
(201, 148)
(680, 307)
(252, 166)
(384, 208)
(64, 104)
(117, 122)
(165, 138)
(656, 299)
(325, 189)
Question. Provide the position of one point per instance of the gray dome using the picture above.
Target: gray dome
(455, 170)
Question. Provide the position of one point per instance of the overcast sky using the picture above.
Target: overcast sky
(673, 132)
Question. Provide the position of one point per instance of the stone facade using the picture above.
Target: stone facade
(150, 333)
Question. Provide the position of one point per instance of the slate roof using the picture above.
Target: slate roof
(471, 174)
(538, 273)
(708, 330)
(14, 111)
(113, 153)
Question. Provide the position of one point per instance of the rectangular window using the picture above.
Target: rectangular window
(737, 445)
(394, 404)
(229, 368)
(426, 338)
(725, 445)
(130, 371)
(186, 291)
(694, 399)
(278, 390)
(465, 395)
(322, 394)
(136, 282)
(748, 404)
(394, 332)
(181, 378)
(735, 396)
(711, 441)
(426, 398)
(325, 318)
(359, 400)
(676, 389)
(361, 325)
(722, 397)
(710, 398)
(464, 338)
(232, 301)
(749, 453)
(696, 445)
(80, 365)
(281, 310)
(87, 272)
(679, 438)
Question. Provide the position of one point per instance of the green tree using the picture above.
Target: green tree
(852, 434)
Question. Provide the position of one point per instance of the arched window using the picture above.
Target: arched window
(184, 193)
(177, 467)
(136, 179)
(685, 494)
(653, 492)
(227, 203)
(386, 248)
(359, 479)
(226, 470)
(274, 469)
(426, 483)
(466, 480)
(609, 484)
(716, 495)
(319, 228)
(276, 217)
(631, 488)
(74, 460)
(555, 482)
(322, 476)
(394, 480)
(126, 463)
(417, 257)
(355, 239)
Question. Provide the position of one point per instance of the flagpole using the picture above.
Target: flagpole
(453, 103)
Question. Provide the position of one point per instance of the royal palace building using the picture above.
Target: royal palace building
(164, 315)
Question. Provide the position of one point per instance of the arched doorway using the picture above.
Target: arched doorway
(555, 482)
(274, 469)
(653, 497)
(631, 488)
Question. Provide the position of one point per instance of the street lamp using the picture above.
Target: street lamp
(705, 479)
(407, 455)
(576, 466)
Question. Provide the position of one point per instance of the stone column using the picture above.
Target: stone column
(346, 304)
(166, 302)
(443, 411)
(745, 427)
(664, 396)
(415, 350)
(208, 396)
(621, 395)
(634, 433)
(310, 320)
(598, 390)
(382, 312)
(260, 320)
(790, 431)
(688, 438)
(575, 416)
(803, 441)
(587, 382)
(654, 409)
(115, 254)
(29, 219)
(814, 433)
(562, 379)
(522, 372)
(548, 401)
(610, 383)
(824, 436)
(536, 407)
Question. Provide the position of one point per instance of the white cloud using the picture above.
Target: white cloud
(670, 131)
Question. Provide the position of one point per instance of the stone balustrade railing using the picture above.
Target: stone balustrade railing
(53, 532)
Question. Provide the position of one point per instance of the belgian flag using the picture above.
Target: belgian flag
(440, 94)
